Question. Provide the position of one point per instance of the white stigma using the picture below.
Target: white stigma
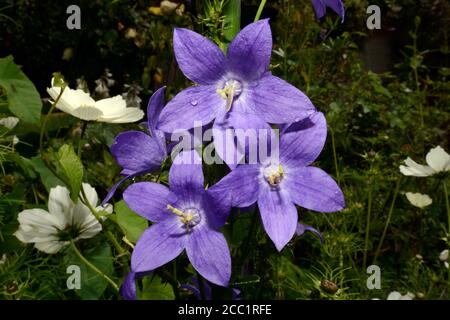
(231, 90)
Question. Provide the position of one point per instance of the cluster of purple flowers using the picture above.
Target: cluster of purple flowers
(232, 91)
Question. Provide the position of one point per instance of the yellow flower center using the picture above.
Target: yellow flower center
(231, 90)
(189, 218)
(274, 175)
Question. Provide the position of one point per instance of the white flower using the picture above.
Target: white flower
(395, 295)
(437, 159)
(65, 220)
(418, 200)
(9, 122)
(443, 256)
(80, 104)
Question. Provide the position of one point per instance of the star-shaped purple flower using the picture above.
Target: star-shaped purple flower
(279, 184)
(234, 90)
(320, 6)
(137, 152)
(186, 217)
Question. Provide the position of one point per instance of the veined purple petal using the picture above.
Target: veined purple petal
(249, 52)
(278, 214)
(186, 176)
(136, 151)
(302, 142)
(301, 228)
(149, 200)
(312, 188)
(208, 252)
(154, 108)
(200, 59)
(225, 144)
(239, 187)
(159, 244)
(319, 7)
(276, 101)
(128, 287)
(217, 209)
(336, 5)
(193, 107)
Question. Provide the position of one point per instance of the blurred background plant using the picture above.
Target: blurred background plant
(385, 94)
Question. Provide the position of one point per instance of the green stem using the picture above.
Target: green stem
(201, 286)
(369, 212)
(83, 130)
(260, 9)
(447, 205)
(44, 123)
(391, 209)
(92, 267)
(246, 246)
(333, 145)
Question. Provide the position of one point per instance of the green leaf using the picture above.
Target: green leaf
(232, 21)
(92, 284)
(131, 224)
(23, 98)
(72, 168)
(155, 289)
(49, 180)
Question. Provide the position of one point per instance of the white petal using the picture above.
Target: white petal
(446, 264)
(9, 122)
(87, 113)
(40, 219)
(418, 199)
(60, 205)
(112, 107)
(438, 159)
(90, 193)
(70, 99)
(130, 115)
(414, 169)
(85, 220)
(394, 295)
(50, 246)
(443, 256)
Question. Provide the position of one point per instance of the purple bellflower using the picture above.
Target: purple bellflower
(235, 90)
(279, 184)
(186, 217)
(137, 152)
(320, 6)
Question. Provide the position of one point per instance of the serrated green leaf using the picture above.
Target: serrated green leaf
(92, 284)
(131, 224)
(72, 168)
(23, 98)
(155, 289)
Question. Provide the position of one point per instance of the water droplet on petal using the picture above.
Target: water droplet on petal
(194, 102)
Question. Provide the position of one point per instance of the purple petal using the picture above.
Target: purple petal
(312, 188)
(186, 176)
(149, 200)
(159, 244)
(301, 228)
(217, 208)
(225, 144)
(302, 142)
(239, 187)
(193, 107)
(319, 7)
(154, 108)
(128, 287)
(136, 152)
(276, 101)
(208, 252)
(337, 7)
(249, 52)
(278, 214)
(115, 186)
(199, 58)
(192, 289)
